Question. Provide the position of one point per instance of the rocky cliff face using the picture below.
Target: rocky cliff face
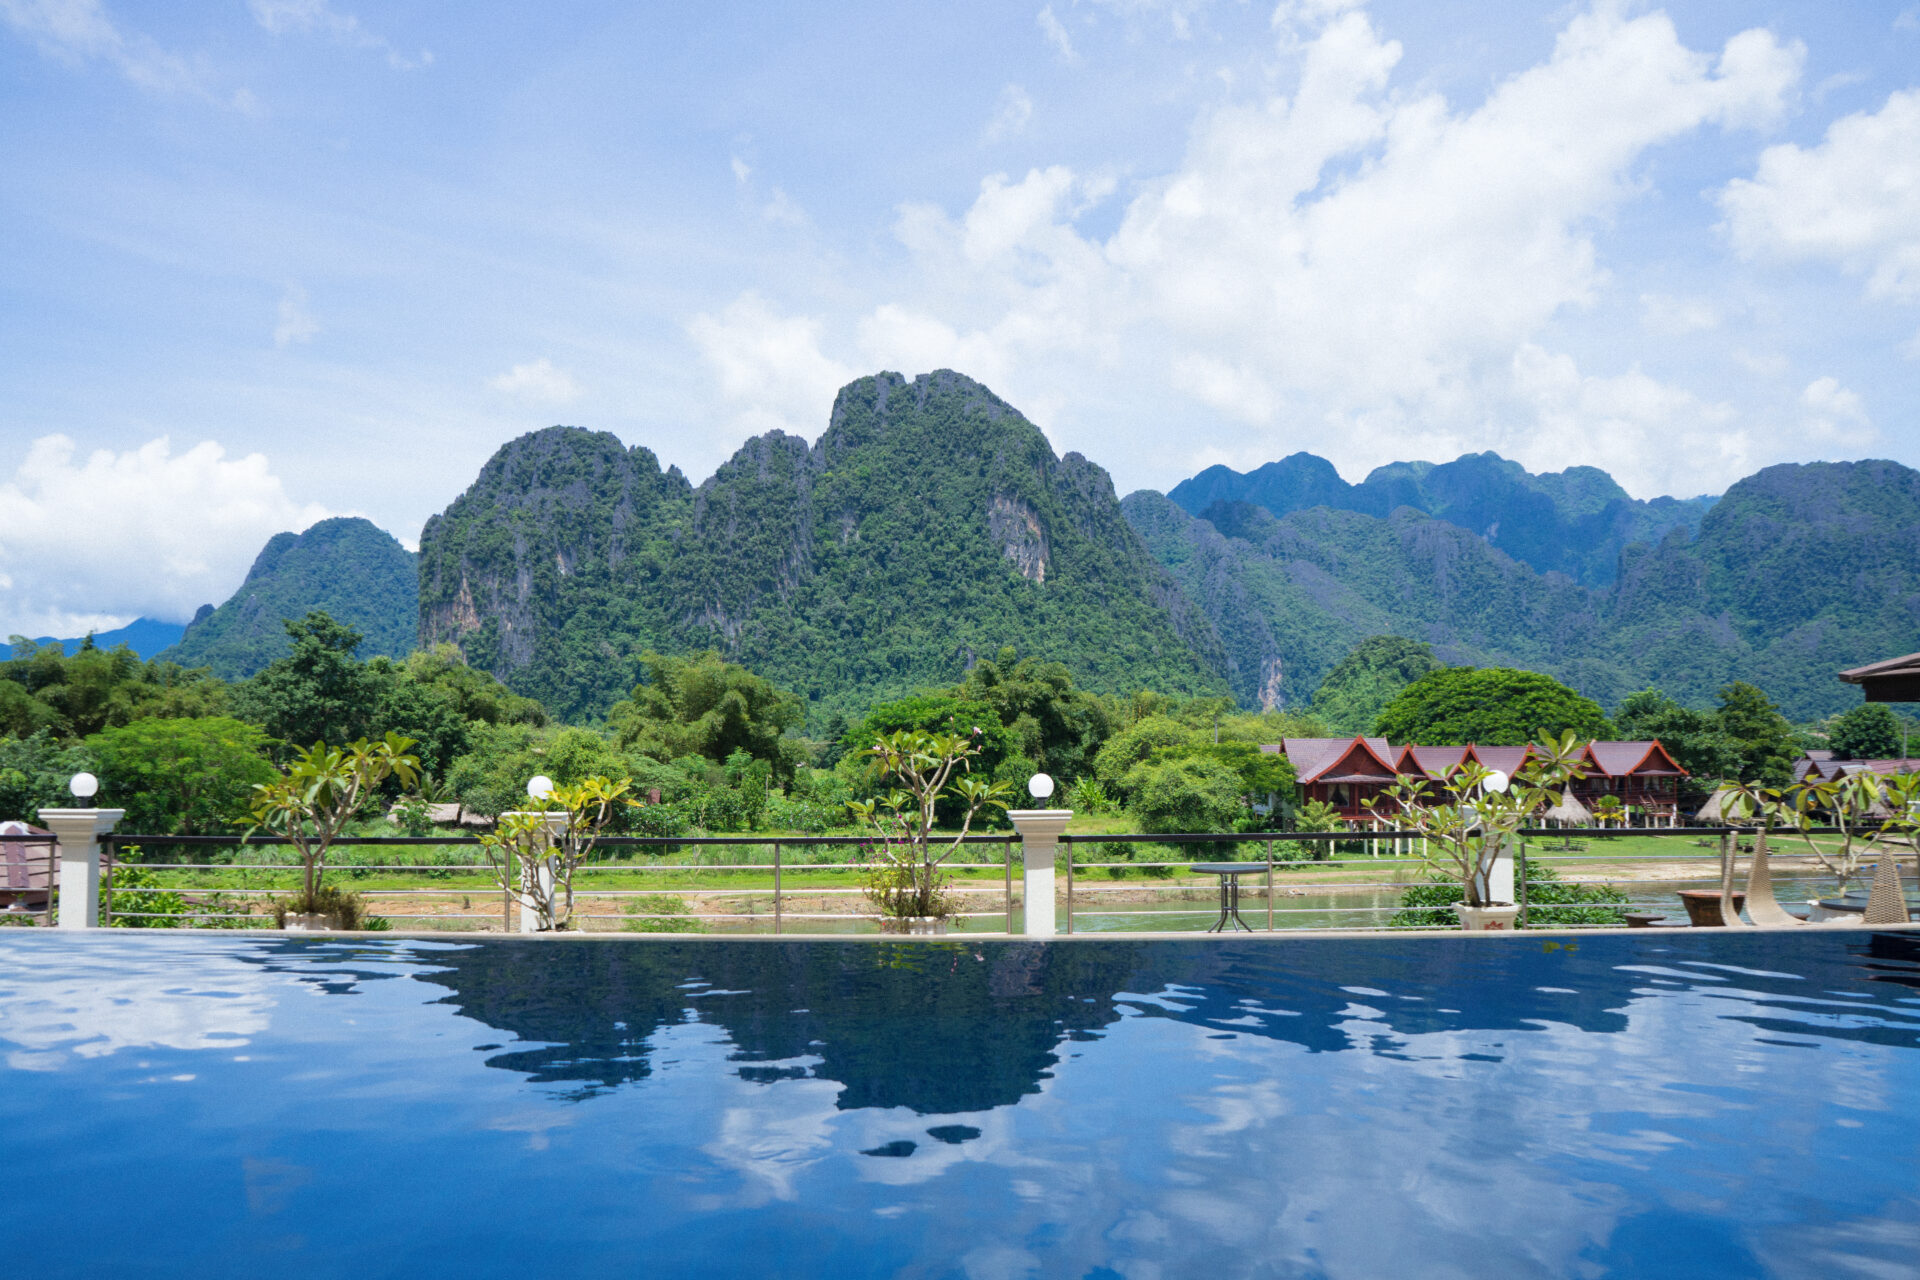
(931, 522)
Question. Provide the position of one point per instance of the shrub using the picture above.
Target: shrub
(660, 913)
(1551, 903)
(345, 911)
(140, 903)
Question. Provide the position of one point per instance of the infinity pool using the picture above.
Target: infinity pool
(1717, 1105)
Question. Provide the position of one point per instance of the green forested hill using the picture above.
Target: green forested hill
(1797, 572)
(1575, 521)
(346, 566)
(929, 524)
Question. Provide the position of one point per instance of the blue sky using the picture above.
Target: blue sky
(271, 260)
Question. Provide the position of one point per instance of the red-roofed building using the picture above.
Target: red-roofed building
(1640, 774)
(1342, 772)
(1431, 763)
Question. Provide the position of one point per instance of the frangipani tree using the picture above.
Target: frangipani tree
(1474, 813)
(533, 854)
(906, 881)
(322, 788)
(1860, 808)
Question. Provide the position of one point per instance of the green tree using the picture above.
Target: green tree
(705, 706)
(1693, 738)
(1489, 705)
(93, 689)
(1868, 732)
(317, 693)
(181, 776)
(1058, 727)
(34, 772)
(1185, 794)
(1767, 742)
(1135, 745)
(1372, 674)
(492, 777)
(994, 749)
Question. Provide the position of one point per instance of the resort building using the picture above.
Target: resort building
(1821, 766)
(1347, 772)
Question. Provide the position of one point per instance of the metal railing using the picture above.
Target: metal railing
(794, 898)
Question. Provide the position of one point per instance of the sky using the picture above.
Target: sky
(267, 261)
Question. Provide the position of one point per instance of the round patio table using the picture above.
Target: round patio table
(1229, 873)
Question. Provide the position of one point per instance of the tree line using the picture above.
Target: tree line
(712, 746)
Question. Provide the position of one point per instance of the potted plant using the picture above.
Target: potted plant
(311, 802)
(905, 882)
(1473, 815)
(533, 854)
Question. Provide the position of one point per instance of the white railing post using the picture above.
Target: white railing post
(1039, 836)
(78, 832)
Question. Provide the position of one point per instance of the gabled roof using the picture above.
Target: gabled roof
(1357, 759)
(1430, 762)
(1636, 759)
(1507, 760)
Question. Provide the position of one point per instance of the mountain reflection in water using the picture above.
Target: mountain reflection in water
(964, 1026)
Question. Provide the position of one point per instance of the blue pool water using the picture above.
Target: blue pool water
(1714, 1105)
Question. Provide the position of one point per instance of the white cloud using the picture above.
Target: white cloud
(1347, 256)
(118, 535)
(1671, 317)
(1835, 415)
(770, 367)
(538, 382)
(1853, 200)
(1010, 114)
(294, 322)
(741, 169)
(783, 210)
(77, 31)
(1056, 34)
(309, 17)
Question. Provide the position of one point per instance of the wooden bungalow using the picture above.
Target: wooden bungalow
(1342, 772)
(1641, 775)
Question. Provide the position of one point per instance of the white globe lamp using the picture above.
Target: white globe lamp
(84, 786)
(1040, 786)
(1496, 781)
(539, 786)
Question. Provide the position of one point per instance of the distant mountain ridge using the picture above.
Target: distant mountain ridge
(1796, 572)
(347, 566)
(145, 636)
(1576, 521)
(930, 523)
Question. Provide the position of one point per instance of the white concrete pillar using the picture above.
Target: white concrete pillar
(79, 832)
(1039, 836)
(1500, 878)
(555, 824)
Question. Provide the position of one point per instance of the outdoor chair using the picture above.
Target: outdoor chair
(1762, 907)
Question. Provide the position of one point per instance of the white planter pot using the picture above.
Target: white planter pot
(1488, 919)
(314, 922)
(915, 926)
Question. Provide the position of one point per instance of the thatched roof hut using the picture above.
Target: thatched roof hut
(1713, 812)
(1569, 812)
